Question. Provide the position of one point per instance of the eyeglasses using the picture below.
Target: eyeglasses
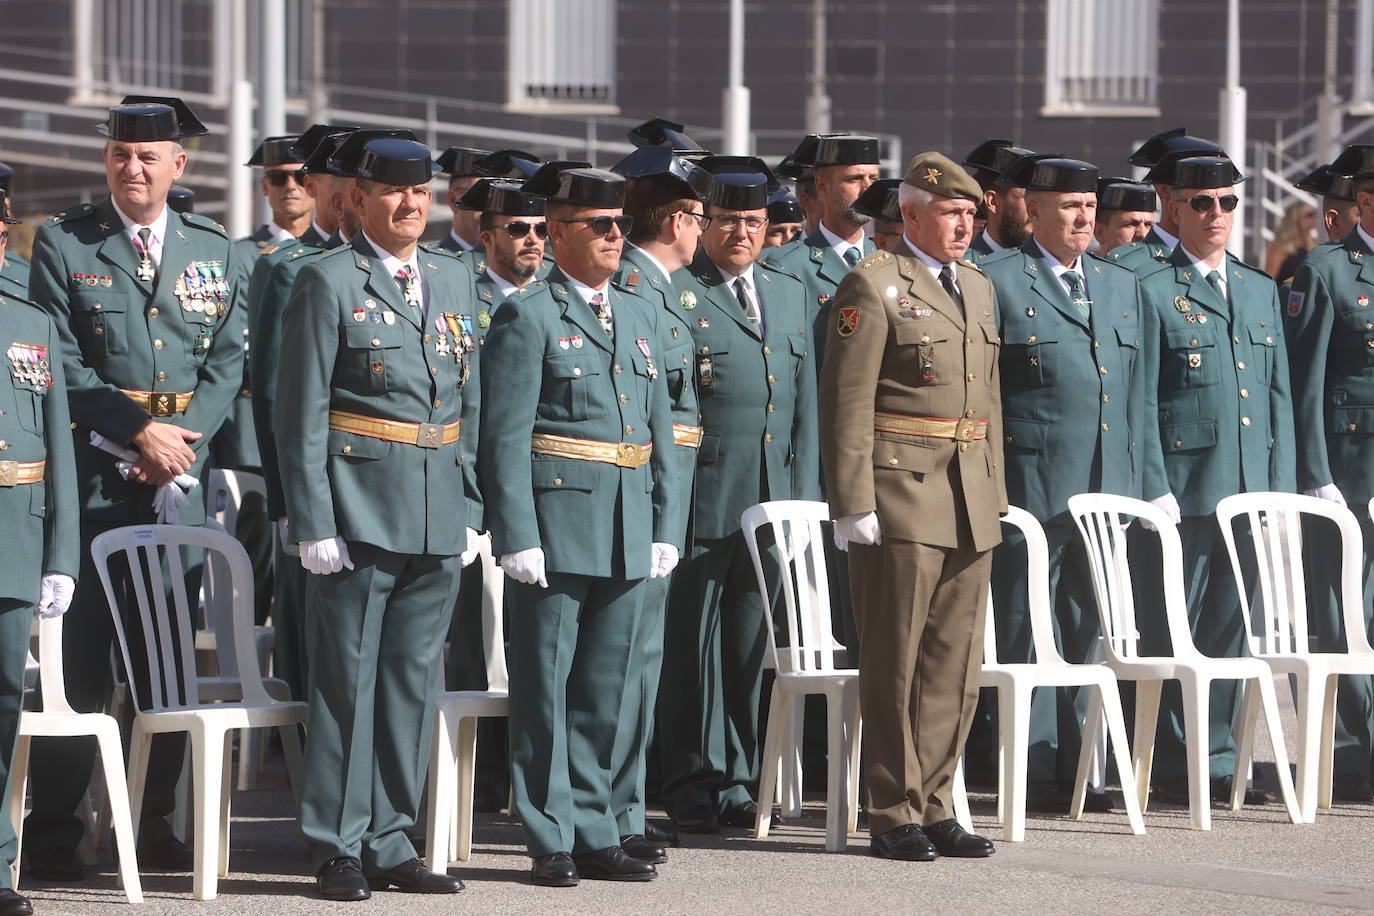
(702, 219)
(600, 225)
(518, 229)
(752, 224)
(280, 178)
(1203, 202)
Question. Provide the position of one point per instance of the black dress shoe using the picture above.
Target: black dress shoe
(554, 870)
(342, 879)
(1221, 792)
(638, 846)
(1045, 796)
(165, 853)
(413, 877)
(612, 864)
(14, 904)
(744, 815)
(1351, 787)
(660, 834)
(951, 839)
(907, 843)
(55, 864)
(697, 819)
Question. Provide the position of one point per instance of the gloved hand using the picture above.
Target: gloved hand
(526, 566)
(284, 535)
(662, 560)
(1169, 505)
(325, 556)
(55, 595)
(862, 528)
(467, 556)
(1329, 492)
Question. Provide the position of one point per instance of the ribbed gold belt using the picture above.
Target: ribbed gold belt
(160, 403)
(621, 454)
(689, 436)
(964, 430)
(14, 473)
(424, 435)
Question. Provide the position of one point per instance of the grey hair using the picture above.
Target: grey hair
(920, 198)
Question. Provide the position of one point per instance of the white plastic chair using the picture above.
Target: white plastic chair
(1016, 681)
(1278, 629)
(170, 701)
(453, 751)
(59, 720)
(224, 497)
(806, 665)
(1102, 520)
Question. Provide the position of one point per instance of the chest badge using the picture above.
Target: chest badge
(688, 299)
(1362, 301)
(703, 322)
(563, 343)
(484, 319)
(848, 321)
(359, 315)
(1194, 360)
(577, 341)
(1181, 303)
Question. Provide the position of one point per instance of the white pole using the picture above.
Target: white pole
(818, 104)
(271, 90)
(319, 101)
(1362, 93)
(83, 56)
(1233, 113)
(735, 101)
(239, 143)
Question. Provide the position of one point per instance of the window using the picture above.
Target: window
(562, 55)
(1101, 57)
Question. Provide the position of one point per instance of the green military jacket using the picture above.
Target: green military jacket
(356, 347)
(42, 518)
(757, 395)
(12, 287)
(1073, 392)
(181, 333)
(17, 269)
(489, 299)
(551, 369)
(1220, 385)
(979, 250)
(1331, 349)
(813, 261)
(1143, 257)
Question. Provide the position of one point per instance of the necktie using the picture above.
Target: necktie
(851, 256)
(1214, 278)
(146, 269)
(603, 314)
(410, 288)
(947, 281)
(1078, 295)
(746, 302)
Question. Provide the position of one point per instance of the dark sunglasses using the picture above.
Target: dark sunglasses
(518, 229)
(600, 225)
(1203, 202)
(280, 178)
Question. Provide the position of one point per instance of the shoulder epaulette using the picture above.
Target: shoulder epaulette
(1004, 255)
(271, 248)
(976, 268)
(873, 260)
(71, 213)
(201, 221)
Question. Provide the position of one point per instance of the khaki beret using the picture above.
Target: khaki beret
(939, 174)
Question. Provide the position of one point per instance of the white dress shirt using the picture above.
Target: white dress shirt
(1204, 269)
(750, 287)
(934, 266)
(158, 226)
(392, 265)
(840, 245)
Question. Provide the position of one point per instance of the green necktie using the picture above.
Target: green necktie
(1214, 278)
(1078, 296)
(852, 255)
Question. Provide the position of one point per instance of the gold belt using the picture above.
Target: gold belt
(689, 436)
(160, 403)
(620, 454)
(424, 435)
(964, 430)
(13, 473)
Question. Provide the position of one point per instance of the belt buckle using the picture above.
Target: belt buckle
(627, 455)
(9, 473)
(429, 435)
(965, 429)
(162, 403)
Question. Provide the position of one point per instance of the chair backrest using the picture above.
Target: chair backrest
(1037, 592)
(157, 574)
(224, 492)
(220, 592)
(1275, 524)
(493, 618)
(1102, 520)
(795, 524)
(51, 680)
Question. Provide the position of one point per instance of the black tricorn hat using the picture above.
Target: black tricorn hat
(879, 200)
(1355, 161)
(307, 142)
(1326, 183)
(150, 118)
(795, 163)
(501, 195)
(5, 216)
(1015, 172)
(784, 208)
(662, 132)
(989, 159)
(394, 161)
(544, 181)
(1182, 169)
(1052, 174)
(507, 163)
(1172, 141)
(6, 178)
(275, 151)
(847, 151)
(461, 161)
(182, 200)
(664, 164)
(343, 159)
(1125, 194)
(579, 185)
(738, 182)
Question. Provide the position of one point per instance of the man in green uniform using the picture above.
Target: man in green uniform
(1073, 396)
(881, 203)
(784, 219)
(148, 305)
(1340, 212)
(1125, 213)
(12, 266)
(1217, 379)
(910, 417)
(579, 475)
(39, 505)
(1159, 154)
(370, 411)
(1330, 330)
(751, 327)
(14, 275)
(459, 163)
(1007, 223)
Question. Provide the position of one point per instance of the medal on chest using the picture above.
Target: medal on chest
(29, 365)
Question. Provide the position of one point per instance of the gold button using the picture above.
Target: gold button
(558, 481)
(577, 370)
(438, 403)
(1096, 345)
(969, 376)
(767, 437)
(767, 350)
(1268, 340)
(97, 306)
(1178, 443)
(969, 414)
(162, 376)
(1009, 438)
(1105, 427)
(4, 446)
(1352, 427)
(969, 343)
(1369, 326)
(1106, 398)
(617, 368)
(925, 338)
(963, 446)
(629, 430)
(376, 342)
(1233, 340)
(1193, 342)
(1244, 421)
(157, 345)
(686, 361)
(1245, 392)
(705, 349)
(347, 449)
(771, 379)
(245, 393)
(1240, 364)
(1264, 324)
(73, 426)
(1031, 339)
(433, 370)
(154, 312)
(1102, 370)
(770, 408)
(624, 398)
(892, 461)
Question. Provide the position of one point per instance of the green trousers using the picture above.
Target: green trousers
(570, 656)
(375, 636)
(636, 726)
(14, 643)
(288, 616)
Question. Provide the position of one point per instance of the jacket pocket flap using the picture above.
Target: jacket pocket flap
(1182, 437)
(1127, 338)
(571, 367)
(1025, 433)
(352, 445)
(904, 456)
(372, 336)
(1187, 338)
(563, 474)
(1352, 420)
(1262, 337)
(99, 299)
(908, 332)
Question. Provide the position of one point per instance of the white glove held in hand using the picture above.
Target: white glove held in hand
(1168, 505)
(55, 595)
(662, 560)
(284, 535)
(1329, 492)
(467, 556)
(325, 556)
(526, 566)
(861, 529)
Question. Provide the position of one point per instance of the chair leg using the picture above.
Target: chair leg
(295, 759)
(1005, 740)
(1245, 742)
(1271, 721)
(442, 782)
(775, 732)
(1147, 695)
(467, 773)
(959, 795)
(1195, 704)
(19, 777)
(1014, 825)
(790, 774)
(250, 746)
(1116, 733)
(226, 791)
(208, 775)
(140, 742)
(856, 730)
(1311, 700)
(1087, 754)
(1328, 754)
(837, 782)
(111, 762)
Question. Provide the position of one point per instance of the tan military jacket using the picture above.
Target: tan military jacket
(903, 365)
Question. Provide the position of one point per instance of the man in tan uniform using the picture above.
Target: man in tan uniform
(911, 436)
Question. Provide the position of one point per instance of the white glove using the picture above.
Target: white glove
(861, 529)
(168, 501)
(798, 542)
(662, 560)
(284, 535)
(1329, 492)
(1169, 506)
(55, 595)
(526, 566)
(467, 556)
(325, 556)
